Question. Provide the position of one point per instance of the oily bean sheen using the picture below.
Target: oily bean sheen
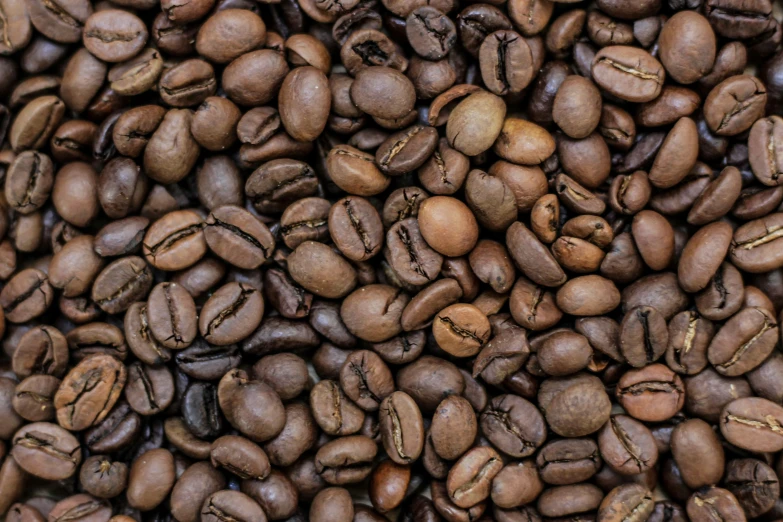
(345, 261)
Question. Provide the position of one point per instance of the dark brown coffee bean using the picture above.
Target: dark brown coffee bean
(568, 461)
(567, 399)
(643, 336)
(277, 183)
(238, 237)
(754, 484)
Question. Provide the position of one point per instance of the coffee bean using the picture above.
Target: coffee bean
(697, 452)
(333, 411)
(151, 478)
(149, 390)
(568, 461)
(470, 479)
(513, 425)
(722, 110)
(187, 84)
(114, 35)
(89, 391)
(744, 342)
(402, 427)
(122, 282)
(103, 478)
(345, 460)
(33, 398)
(200, 410)
(752, 423)
(627, 445)
(754, 484)
(712, 502)
(46, 450)
(629, 73)
(171, 315)
(193, 486)
(625, 500)
(41, 350)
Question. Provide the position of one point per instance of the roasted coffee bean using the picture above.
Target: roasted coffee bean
(470, 479)
(117, 431)
(171, 316)
(200, 410)
(33, 398)
(402, 428)
(513, 425)
(568, 461)
(652, 394)
(627, 445)
(698, 453)
(643, 336)
(46, 450)
(102, 477)
(629, 73)
(743, 342)
(713, 502)
(149, 390)
(752, 423)
(345, 460)
(89, 391)
(193, 486)
(151, 478)
(41, 350)
(626, 500)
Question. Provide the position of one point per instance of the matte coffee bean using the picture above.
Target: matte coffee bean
(46, 450)
(720, 501)
(698, 453)
(743, 342)
(171, 316)
(568, 461)
(345, 460)
(402, 428)
(33, 398)
(629, 73)
(151, 478)
(752, 423)
(245, 401)
(89, 391)
(470, 479)
(193, 486)
(513, 425)
(754, 484)
(627, 445)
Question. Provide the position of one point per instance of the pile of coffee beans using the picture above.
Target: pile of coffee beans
(413, 260)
